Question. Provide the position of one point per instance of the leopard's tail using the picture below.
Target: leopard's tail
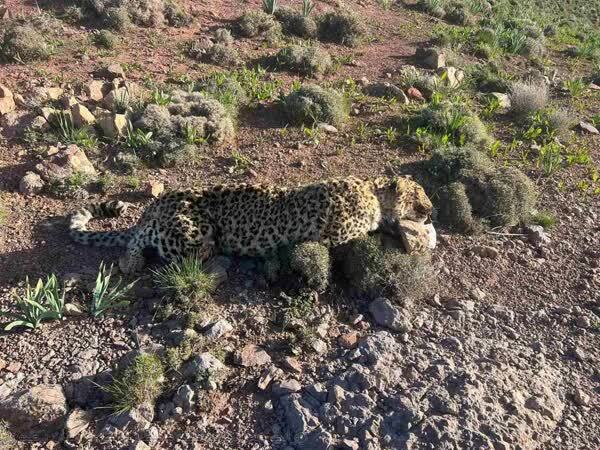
(80, 219)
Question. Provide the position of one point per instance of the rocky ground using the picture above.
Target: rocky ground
(501, 352)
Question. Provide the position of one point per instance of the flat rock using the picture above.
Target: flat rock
(39, 411)
(251, 356)
(588, 128)
(386, 314)
(78, 421)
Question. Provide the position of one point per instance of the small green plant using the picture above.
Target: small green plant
(137, 138)
(386, 4)
(186, 280)
(241, 162)
(576, 87)
(39, 303)
(269, 6)
(160, 97)
(192, 136)
(83, 137)
(139, 383)
(105, 298)
(133, 182)
(491, 107)
(105, 39)
(391, 135)
(544, 219)
(549, 158)
(307, 7)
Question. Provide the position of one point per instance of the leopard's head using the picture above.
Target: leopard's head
(402, 199)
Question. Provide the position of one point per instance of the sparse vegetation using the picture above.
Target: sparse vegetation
(307, 60)
(222, 55)
(105, 39)
(254, 23)
(186, 281)
(311, 104)
(44, 301)
(527, 98)
(28, 40)
(342, 27)
(139, 383)
(373, 271)
(311, 261)
(544, 219)
(105, 297)
(296, 23)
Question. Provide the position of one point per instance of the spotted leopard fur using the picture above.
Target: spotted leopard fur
(256, 219)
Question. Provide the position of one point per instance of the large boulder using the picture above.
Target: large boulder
(36, 412)
(72, 160)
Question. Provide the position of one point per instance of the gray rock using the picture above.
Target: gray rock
(319, 346)
(536, 234)
(78, 421)
(298, 417)
(430, 58)
(151, 436)
(200, 365)
(31, 184)
(581, 398)
(327, 128)
(184, 397)
(139, 418)
(219, 329)
(36, 412)
(390, 316)
(503, 99)
(588, 128)
(485, 251)
(286, 387)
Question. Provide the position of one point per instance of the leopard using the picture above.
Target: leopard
(255, 219)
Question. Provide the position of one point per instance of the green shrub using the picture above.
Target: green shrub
(527, 98)
(311, 261)
(139, 383)
(24, 42)
(104, 39)
(496, 196)
(488, 78)
(311, 104)
(544, 219)
(295, 23)
(432, 7)
(342, 28)
(254, 23)
(309, 60)
(175, 15)
(7, 440)
(116, 18)
(223, 36)
(222, 55)
(373, 271)
(106, 297)
(454, 123)
(458, 14)
(186, 281)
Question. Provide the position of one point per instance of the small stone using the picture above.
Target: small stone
(113, 125)
(286, 387)
(251, 356)
(201, 364)
(54, 93)
(114, 71)
(485, 251)
(66, 163)
(95, 90)
(268, 375)
(536, 234)
(184, 397)
(219, 329)
(588, 128)
(14, 367)
(355, 320)
(430, 58)
(139, 445)
(583, 322)
(292, 364)
(68, 101)
(327, 128)
(39, 123)
(349, 340)
(31, 184)
(416, 237)
(82, 116)
(72, 310)
(453, 77)
(390, 316)
(52, 150)
(319, 346)
(414, 93)
(350, 444)
(581, 398)
(154, 188)
(77, 422)
(7, 101)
